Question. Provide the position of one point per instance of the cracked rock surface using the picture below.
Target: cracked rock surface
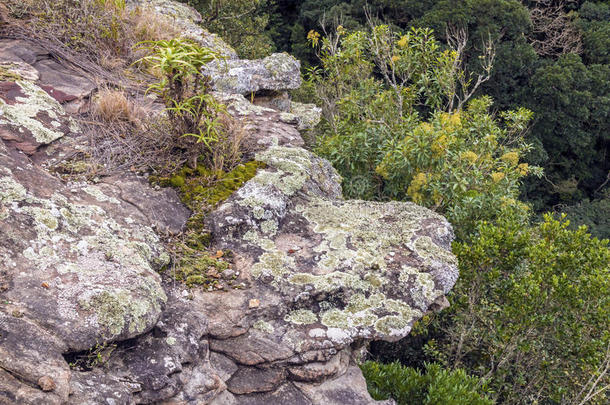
(320, 276)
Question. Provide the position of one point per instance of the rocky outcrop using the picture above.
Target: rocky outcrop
(322, 276)
(316, 276)
(79, 261)
(279, 71)
(27, 60)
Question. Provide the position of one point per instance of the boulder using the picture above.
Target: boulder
(326, 275)
(278, 71)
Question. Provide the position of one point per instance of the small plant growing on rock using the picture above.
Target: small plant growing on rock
(184, 89)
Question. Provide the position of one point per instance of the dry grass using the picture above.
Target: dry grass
(151, 26)
(227, 152)
(113, 105)
(103, 31)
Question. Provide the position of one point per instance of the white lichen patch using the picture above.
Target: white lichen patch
(24, 113)
(263, 326)
(96, 193)
(10, 190)
(293, 167)
(301, 317)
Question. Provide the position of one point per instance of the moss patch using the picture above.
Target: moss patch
(196, 268)
(201, 189)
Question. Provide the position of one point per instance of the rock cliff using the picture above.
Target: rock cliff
(318, 276)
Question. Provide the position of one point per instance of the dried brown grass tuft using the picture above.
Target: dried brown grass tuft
(228, 151)
(113, 105)
(102, 31)
(151, 26)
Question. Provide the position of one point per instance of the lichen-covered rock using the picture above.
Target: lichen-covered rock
(92, 272)
(265, 127)
(79, 261)
(29, 117)
(326, 274)
(308, 115)
(171, 362)
(279, 71)
(188, 20)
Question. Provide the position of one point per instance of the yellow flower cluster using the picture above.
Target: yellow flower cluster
(523, 169)
(395, 58)
(426, 126)
(403, 41)
(469, 156)
(314, 37)
(451, 121)
(416, 185)
(497, 176)
(439, 145)
(511, 158)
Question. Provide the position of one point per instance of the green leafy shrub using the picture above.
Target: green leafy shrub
(464, 164)
(530, 311)
(400, 124)
(436, 386)
(184, 88)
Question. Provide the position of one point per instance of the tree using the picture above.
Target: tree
(572, 129)
(529, 312)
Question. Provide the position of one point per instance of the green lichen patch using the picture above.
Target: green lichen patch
(118, 313)
(7, 74)
(301, 317)
(10, 190)
(263, 326)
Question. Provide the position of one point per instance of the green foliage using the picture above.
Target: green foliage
(595, 214)
(568, 98)
(531, 308)
(184, 88)
(463, 164)
(436, 386)
(404, 136)
(97, 356)
(572, 130)
(529, 313)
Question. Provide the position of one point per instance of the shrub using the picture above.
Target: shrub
(408, 386)
(184, 88)
(400, 124)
